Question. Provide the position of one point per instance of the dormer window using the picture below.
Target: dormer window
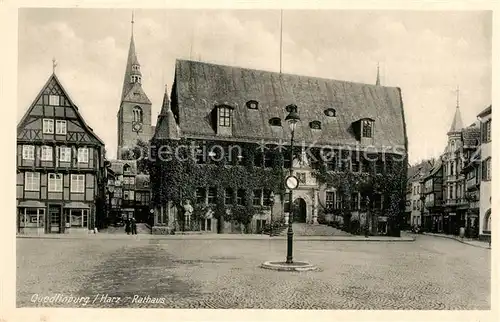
(315, 125)
(275, 121)
(330, 112)
(367, 128)
(253, 105)
(225, 116)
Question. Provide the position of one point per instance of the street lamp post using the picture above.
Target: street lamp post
(271, 198)
(291, 182)
(292, 118)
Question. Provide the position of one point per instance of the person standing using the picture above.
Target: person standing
(127, 226)
(133, 226)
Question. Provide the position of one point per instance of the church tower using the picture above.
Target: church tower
(134, 115)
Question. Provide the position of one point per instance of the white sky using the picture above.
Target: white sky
(427, 54)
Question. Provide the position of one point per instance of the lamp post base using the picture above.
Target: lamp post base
(293, 267)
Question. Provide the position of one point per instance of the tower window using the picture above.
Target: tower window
(135, 79)
(224, 116)
(137, 113)
(367, 128)
(275, 121)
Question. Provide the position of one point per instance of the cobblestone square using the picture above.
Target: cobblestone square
(430, 273)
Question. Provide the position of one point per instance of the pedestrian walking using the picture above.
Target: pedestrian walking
(133, 226)
(127, 226)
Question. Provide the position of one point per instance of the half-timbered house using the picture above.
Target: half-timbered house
(59, 166)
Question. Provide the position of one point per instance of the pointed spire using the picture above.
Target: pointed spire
(378, 75)
(133, 69)
(166, 127)
(456, 124)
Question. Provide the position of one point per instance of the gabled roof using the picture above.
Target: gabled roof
(485, 112)
(199, 86)
(142, 181)
(435, 169)
(136, 95)
(471, 136)
(54, 82)
(117, 166)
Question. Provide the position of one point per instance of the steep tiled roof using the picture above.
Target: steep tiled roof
(117, 166)
(54, 86)
(435, 169)
(471, 136)
(136, 94)
(485, 112)
(166, 126)
(200, 86)
(142, 181)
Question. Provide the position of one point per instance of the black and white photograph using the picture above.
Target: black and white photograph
(253, 158)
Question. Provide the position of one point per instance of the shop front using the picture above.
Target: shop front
(76, 217)
(31, 217)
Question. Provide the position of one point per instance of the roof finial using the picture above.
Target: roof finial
(378, 75)
(458, 96)
(132, 22)
(54, 65)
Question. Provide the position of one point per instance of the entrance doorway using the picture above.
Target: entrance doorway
(300, 211)
(54, 225)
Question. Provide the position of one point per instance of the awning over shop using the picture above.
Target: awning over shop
(76, 205)
(31, 204)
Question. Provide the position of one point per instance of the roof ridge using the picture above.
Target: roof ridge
(180, 60)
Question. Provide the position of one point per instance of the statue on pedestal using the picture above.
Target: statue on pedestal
(188, 212)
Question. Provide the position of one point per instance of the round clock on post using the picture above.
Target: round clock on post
(291, 182)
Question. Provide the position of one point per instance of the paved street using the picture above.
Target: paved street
(430, 273)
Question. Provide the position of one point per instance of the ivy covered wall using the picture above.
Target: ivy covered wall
(176, 174)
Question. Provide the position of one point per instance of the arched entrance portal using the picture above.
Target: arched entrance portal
(300, 211)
